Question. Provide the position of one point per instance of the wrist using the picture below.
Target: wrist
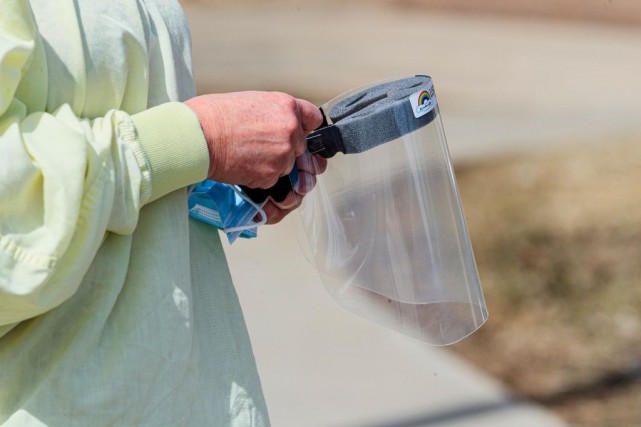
(211, 124)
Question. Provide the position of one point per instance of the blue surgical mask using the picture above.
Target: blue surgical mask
(226, 207)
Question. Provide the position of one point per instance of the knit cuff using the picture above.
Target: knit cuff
(173, 142)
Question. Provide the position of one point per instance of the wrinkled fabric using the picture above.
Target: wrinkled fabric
(116, 309)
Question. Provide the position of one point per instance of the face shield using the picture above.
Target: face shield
(384, 222)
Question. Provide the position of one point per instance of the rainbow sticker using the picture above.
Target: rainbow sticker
(424, 101)
(423, 98)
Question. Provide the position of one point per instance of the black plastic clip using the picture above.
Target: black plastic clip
(325, 141)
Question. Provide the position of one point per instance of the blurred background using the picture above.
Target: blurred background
(541, 102)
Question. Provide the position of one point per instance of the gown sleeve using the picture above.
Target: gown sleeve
(66, 181)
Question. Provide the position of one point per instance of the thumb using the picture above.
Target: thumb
(310, 116)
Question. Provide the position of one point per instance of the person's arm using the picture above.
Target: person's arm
(66, 181)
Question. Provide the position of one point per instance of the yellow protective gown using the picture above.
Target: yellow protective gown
(115, 307)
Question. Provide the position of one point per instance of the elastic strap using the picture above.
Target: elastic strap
(259, 209)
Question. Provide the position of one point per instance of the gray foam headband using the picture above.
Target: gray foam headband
(371, 117)
(362, 121)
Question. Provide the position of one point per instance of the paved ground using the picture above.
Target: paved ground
(503, 85)
(324, 367)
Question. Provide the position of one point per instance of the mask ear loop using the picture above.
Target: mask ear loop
(190, 189)
(259, 209)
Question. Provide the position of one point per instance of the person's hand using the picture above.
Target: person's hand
(309, 165)
(254, 137)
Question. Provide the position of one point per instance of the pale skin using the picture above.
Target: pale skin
(254, 138)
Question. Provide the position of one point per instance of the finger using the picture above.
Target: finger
(300, 145)
(320, 164)
(294, 161)
(311, 163)
(288, 170)
(291, 201)
(310, 116)
(266, 183)
(274, 213)
(305, 184)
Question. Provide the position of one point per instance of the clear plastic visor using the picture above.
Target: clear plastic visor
(388, 236)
